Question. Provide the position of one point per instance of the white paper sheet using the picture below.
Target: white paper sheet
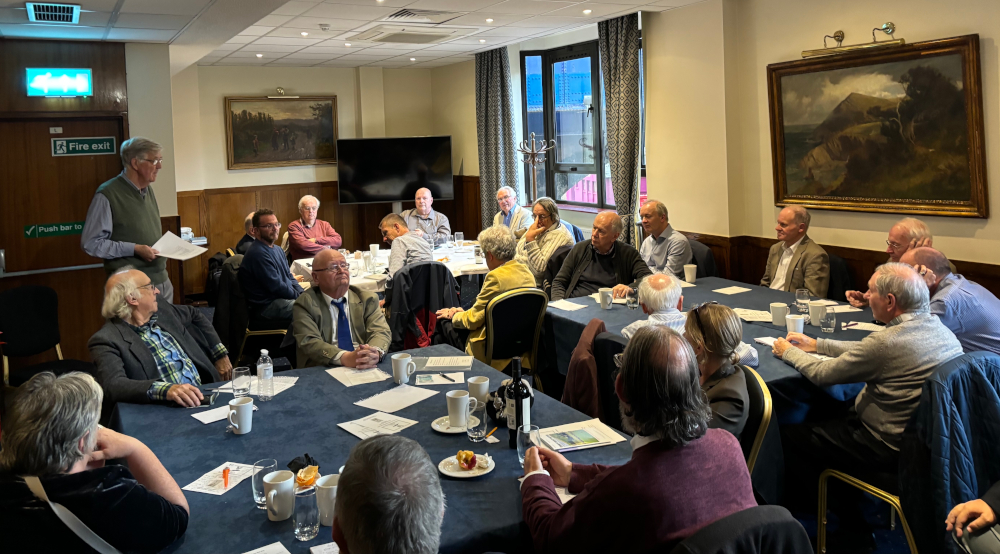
(376, 424)
(396, 399)
(731, 290)
(328, 548)
(826, 302)
(436, 379)
(769, 341)
(685, 284)
(452, 362)
(276, 548)
(281, 384)
(212, 482)
(753, 315)
(350, 377)
(492, 440)
(861, 326)
(566, 305)
(604, 434)
(597, 298)
(173, 247)
(843, 309)
(213, 415)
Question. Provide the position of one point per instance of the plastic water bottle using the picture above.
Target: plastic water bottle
(265, 377)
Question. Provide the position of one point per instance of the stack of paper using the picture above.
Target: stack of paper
(731, 290)
(273, 548)
(861, 326)
(350, 377)
(376, 424)
(213, 415)
(843, 309)
(213, 482)
(753, 315)
(438, 379)
(173, 247)
(579, 436)
(281, 384)
(566, 305)
(461, 363)
(685, 284)
(396, 399)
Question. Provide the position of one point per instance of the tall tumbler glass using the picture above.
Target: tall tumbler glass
(476, 429)
(241, 382)
(459, 239)
(260, 469)
(527, 436)
(802, 300)
(306, 514)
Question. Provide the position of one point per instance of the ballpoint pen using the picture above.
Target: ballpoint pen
(849, 325)
(490, 433)
(441, 373)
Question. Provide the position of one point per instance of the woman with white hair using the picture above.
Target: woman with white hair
(505, 274)
(309, 234)
(52, 440)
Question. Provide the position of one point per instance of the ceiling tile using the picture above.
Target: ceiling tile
(320, 50)
(173, 7)
(95, 5)
(314, 57)
(52, 32)
(294, 63)
(271, 48)
(256, 30)
(93, 19)
(228, 47)
(297, 33)
(453, 5)
(141, 35)
(596, 10)
(365, 57)
(545, 21)
(654, 8)
(150, 21)
(241, 39)
(625, 2)
(340, 63)
(509, 32)
(251, 54)
(675, 3)
(531, 7)
(274, 20)
(499, 19)
(449, 47)
(242, 61)
(313, 23)
(294, 8)
(286, 41)
(417, 58)
(349, 11)
(397, 46)
(384, 3)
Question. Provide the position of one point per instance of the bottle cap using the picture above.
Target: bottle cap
(263, 352)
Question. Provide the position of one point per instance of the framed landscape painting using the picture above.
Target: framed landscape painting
(895, 130)
(279, 132)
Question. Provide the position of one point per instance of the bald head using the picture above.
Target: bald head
(328, 275)
(326, 257)
(929, 258)
(248, 224)
(424, 201)
(607, 228)
(659, 293)
(793, 222)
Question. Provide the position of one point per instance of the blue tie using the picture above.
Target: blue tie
(344, 341)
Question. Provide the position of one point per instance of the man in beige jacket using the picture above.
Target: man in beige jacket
(796, 262)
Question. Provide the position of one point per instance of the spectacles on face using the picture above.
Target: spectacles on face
(893, 245)
(149, 286)
(310, 208)
(343, 267)
(697, 315)
(541, 217)
(270, 226)
(157, 162)
(503, 198)
(619, 360)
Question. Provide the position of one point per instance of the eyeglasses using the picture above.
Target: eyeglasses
(270, 226)
(158, 162)
(697, 316)
(345, 267)
(619, 359)
(502, 198)
(149, 286)
(310, 208)
(541, 216)
(893, 245)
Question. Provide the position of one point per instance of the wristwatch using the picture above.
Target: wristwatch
(381, 354)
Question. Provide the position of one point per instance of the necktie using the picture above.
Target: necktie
(344, 341)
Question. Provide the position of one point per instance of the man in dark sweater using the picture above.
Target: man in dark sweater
(601, 262)
(268, 284)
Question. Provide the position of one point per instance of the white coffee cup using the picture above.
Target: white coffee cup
(458, 407)
(795, 323)
(241, 415)
(373, 248)
(479, 387)
(778, 312)
(606, 296)
(402, 367)
(690, 273)
(326, 497)
(817, 309)
(280, 494)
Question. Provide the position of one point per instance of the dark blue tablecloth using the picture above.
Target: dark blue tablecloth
(483, 514)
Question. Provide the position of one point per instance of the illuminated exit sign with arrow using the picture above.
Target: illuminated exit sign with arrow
(59, 82)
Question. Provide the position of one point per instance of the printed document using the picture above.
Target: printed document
(566, 305)
(350, 377)
(173, 247)
(376, 424)
(213, 482)
(451, 362)
(396, 399)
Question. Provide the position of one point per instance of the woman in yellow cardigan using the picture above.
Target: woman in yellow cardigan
(505, 274)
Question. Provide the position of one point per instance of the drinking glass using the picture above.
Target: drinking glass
(306, 514)
(450, 241)
(260, 469)
(459, 238)
(355, 269)
(241, 382)
(477, 409)
(632, 299)
(527, 436)
(802, 300)
(828, 323)
(369, 262)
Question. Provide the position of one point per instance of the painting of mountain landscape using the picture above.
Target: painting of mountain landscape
(883, 135)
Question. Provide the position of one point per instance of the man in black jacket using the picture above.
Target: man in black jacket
(601, 262)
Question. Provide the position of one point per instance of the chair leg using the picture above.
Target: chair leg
(892, 500)
(821, 515)
(892, 518)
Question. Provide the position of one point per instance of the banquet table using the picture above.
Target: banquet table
(483, 513)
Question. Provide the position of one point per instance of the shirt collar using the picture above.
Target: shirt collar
(330, 299)
(669, 314)
(148, 325)
(666, 233)
(794, 246)
(303, 222)
(430, 214)
(129, 181)
(639, 441)
(902, 318)
(611, 252)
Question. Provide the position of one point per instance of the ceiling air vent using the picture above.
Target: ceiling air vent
(53, 13)
(411, 34)
(420, 16)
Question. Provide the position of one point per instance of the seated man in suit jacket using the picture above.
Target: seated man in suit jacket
(796, 262)
(335, 323)
(505, 274)
(150, 350)
(601, 262)
(516, 218)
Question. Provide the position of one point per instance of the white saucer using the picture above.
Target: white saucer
(449, 466)
(441, 425)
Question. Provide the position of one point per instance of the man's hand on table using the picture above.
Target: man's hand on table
(621, 291)
(448, 313)
(417, 232)
(185, 395)
(802, 342)
(365, 357)
(147, 253)
(559, 467)
(856, 299)
(224, 367)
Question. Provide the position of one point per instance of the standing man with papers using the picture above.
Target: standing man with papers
(123, 221)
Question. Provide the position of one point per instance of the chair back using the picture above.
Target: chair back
(606, 345)
(428, 286)
(29, 320)
(757, 530)
(574, 231)
(513, 324)
(840, 279)
(758, 418)
(704, 259)
(553, 266)
(231, 314)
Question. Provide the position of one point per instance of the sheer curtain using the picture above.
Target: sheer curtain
(494, 129)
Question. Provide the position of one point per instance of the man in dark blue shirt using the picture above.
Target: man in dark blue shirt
(268, 284)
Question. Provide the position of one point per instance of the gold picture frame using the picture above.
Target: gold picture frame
(280, 132)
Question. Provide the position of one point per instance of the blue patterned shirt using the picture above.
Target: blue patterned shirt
(970, 311)
(173, 364)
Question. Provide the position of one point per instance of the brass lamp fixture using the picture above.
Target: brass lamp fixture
(888, 28)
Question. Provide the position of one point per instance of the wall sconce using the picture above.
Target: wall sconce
(888, 28)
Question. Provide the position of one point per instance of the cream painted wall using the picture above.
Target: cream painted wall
(148, 82)
(371, 99)
(453, 99)
(408, 104)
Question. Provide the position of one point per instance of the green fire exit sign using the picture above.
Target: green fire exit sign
(86, 146)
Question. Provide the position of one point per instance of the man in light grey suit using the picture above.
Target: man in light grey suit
(796, 262)
(516, 218)
(336, 324)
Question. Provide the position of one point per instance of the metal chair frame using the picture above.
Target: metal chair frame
(249, 333)
(765, 421)
(6, 364)
(865, 487)
(538, 325)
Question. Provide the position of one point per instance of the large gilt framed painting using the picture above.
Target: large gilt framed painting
(894, 130)
(280, 132)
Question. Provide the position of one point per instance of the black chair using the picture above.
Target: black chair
(606, 345)
(574, 230)
(232, 319)
(418, 291)
(29, 321)
(757, 530)
(840, 279)
(552, 267)
(758, 419)
(509, 328)
(704, 259)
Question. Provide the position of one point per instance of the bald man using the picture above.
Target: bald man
(248, 235)
(150, 350)
(601, 262)
(335, 323)
(796, 262)
(423, 220)
(660, 298)
(966, 308)
(664, 250)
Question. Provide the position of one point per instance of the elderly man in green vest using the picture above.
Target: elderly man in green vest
(123, 221)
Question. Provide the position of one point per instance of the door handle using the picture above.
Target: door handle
(3, 261)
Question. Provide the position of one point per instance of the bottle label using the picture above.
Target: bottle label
(526, 413)
(511, 414)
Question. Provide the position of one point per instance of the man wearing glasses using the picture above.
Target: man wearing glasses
(268, 284)
(543, 237)
(336, 324)
(516, 218)
(123, 221)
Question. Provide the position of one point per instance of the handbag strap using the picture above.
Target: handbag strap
(75, 525)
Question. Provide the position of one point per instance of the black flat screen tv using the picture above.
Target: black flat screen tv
(393, 169)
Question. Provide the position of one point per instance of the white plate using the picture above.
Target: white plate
(450, 467)
(441, 425)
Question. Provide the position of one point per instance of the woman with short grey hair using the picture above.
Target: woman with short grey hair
(543, 238)
(51, 433)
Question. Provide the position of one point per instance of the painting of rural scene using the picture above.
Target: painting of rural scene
(264, 132)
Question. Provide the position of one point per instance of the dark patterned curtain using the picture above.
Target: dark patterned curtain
(495, 129)
(618, 40)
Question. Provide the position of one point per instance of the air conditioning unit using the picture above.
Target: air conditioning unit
(53, 13)
(411, 34)
(420, 16)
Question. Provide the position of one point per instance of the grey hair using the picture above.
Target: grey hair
(510, 191)
(308, 197)
(915, 228)
(659, 207)
(137, 146)
(903, 282)
(499, 241)
(50, 415)
(248, 223)
(549, 205)
(660, 300)
(389, 498)
(116, 298)
(617, 225)
(800, 214)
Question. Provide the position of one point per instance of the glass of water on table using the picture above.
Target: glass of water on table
(802, 300)
(306, 514)
(828, 323)
(260, 470)
(241, 382)
(459, 239)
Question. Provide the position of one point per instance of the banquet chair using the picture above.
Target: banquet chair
(758, 419)
(606, 345)
(886, 488)
(757, 530)
(704, 259)
(232, 319)
(513, 324)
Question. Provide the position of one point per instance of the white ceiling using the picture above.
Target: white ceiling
(112, 20)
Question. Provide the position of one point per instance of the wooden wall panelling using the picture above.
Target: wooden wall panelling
(193, 213)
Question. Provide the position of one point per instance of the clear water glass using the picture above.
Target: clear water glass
(828, 323)
(802, 300)
(477, 409)
(527, 436)
(450, 241)
(260, 469)
(241, 382)
(459, 238)
(369, 262)
(632, 299)
(355, 269)
(306, 514)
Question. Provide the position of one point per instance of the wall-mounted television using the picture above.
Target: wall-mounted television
(392, 169)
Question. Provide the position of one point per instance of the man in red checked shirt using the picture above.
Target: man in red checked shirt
(308, 235)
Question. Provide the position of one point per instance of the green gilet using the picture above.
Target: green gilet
(134, 219)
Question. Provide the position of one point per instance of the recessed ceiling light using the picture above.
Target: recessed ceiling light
(489, 20)
(482, 40)
(413, 59)
(347, 44)
(587, 12)
(260, 55)
(305, 34)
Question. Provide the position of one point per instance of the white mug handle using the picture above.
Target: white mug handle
(270, 502)
(411, 368)
(230, 418)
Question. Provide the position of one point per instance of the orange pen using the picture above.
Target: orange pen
(225, 478)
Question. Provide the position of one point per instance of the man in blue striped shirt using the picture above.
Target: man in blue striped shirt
(965, 307)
